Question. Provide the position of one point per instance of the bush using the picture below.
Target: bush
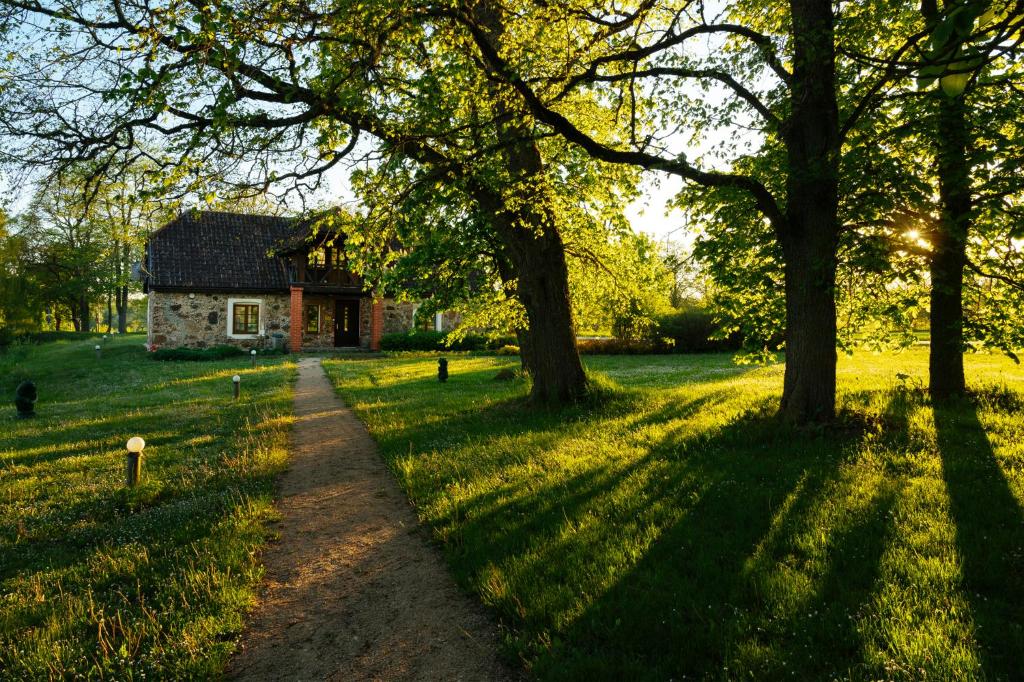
(508, 349)
(199, 354)
(420, 340)
(690, 331)
(7, 336)
(619, 347)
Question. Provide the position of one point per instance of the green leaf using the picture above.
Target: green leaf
(953, 84)
(941, 35)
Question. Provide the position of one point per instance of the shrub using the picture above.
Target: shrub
(691, 331)
(634, 322)
(7, 336)
(618, 347)
(199, 354)
(507, 349)
(420, 340)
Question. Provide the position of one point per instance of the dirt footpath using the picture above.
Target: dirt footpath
(353, 589)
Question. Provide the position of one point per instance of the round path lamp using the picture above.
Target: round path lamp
(133, 468)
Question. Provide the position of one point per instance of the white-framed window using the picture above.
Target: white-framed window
(245, 318)
(438, 322)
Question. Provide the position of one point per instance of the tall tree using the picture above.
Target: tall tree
(281, 93)
(961, 45)
(805, 122)
(804, 74)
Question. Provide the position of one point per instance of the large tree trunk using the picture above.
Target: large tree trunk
(543, 288)
(121, 291)
(122, 310)
(810, 236)
(809, 387)
(949, 250)
(83, 314)
(533, 245)
(533, 255)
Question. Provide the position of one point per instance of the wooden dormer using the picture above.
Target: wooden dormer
(321, 265)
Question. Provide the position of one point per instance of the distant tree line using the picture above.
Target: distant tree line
(66, 257)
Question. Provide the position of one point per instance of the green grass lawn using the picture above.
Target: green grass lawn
(100, 582)
(676, 529)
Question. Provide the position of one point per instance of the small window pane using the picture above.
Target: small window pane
(245, 318)
(313, 319)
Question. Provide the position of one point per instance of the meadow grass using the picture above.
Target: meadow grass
(675, 529)
(102, 582)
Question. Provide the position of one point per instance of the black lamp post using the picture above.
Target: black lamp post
(442, 370)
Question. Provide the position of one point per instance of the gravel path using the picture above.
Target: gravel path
(353, 589)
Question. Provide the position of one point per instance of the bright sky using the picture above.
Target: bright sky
(649, 213)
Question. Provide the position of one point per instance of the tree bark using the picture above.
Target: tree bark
(809, 386)
(83, 314)
(809, 236)
(543, 289)
(949, 250)
(122, 310)
(121, 292)
(534, 255)
(533, 245)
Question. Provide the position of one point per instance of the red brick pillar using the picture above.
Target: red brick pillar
(376, 323)
(295, 324)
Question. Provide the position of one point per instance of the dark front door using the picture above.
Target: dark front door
(346, 322)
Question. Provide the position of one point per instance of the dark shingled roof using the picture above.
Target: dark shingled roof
(218, 251)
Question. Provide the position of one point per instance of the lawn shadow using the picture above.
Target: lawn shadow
(989, 537)
(695, 597)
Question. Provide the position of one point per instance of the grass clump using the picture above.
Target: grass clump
(678, 529)
(100, 582)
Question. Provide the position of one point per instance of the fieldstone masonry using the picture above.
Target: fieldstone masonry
(200, 320)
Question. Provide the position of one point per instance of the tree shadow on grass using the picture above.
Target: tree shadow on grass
(989, 537)
(694, 599)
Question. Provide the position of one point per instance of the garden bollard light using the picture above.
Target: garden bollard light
(253, 354)
(97, 351)
(236, 380)
(25, 400)
(442, 370)
(133, 470)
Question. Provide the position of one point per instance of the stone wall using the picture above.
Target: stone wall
(398, 317)
(201, 320)
(365, 313)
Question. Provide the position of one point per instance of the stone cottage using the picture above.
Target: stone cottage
(218, 278)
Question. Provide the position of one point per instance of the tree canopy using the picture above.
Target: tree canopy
(497, 141)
